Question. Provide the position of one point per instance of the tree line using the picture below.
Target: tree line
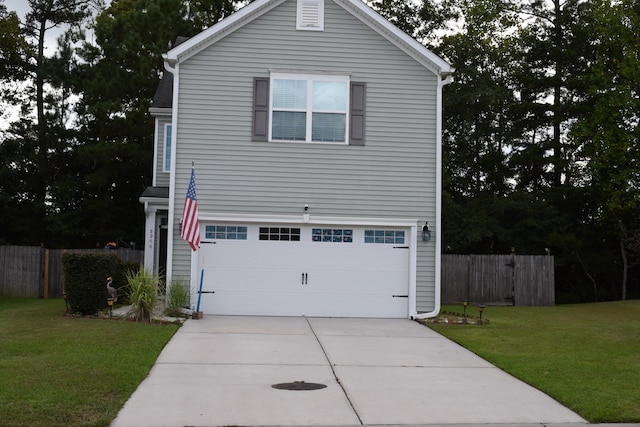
(540, 131)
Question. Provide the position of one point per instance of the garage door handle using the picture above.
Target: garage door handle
(304, 279)
(400, 296)
(401, 247)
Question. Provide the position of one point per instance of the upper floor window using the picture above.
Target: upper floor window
(318, 108)
(309, 108)
(167, 149)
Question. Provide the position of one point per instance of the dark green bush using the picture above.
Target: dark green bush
(85, 279)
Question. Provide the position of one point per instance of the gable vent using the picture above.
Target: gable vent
(310, 15)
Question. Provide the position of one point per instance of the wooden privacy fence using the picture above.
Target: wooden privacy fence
(35, 272)
(528, 280)
(524, 280)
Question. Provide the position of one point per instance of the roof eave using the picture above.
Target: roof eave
(158, 200)
(155, 111)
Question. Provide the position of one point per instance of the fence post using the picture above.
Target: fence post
(467, 297)
(46, 274)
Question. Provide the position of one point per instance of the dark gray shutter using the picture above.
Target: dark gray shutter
(356, 119)
(260, 109)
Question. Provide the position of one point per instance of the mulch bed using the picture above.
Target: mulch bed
(451, 318)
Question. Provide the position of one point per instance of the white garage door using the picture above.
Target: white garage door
(305, 270)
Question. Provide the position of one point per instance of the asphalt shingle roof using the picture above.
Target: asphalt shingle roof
(163, 98)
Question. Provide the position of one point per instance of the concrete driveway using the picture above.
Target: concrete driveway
(219, 371)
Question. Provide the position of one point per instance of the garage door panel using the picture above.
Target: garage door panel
(358, 294)
(243, 254)
(358, 282)
(356, 305)
(256, 302)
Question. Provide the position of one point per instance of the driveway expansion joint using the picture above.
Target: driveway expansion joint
(331, 365)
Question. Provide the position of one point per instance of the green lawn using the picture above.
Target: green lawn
(60, 371)
(586, 356)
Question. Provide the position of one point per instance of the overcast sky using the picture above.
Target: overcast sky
(21, 7)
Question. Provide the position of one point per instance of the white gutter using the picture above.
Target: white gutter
(307, 219)
(154, 200)
(155, 111)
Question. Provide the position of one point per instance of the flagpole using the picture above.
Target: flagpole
(193, 166)
(190, 227)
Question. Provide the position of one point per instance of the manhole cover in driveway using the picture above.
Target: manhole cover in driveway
(299, 386)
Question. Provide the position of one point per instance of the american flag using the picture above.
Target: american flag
(190, 229)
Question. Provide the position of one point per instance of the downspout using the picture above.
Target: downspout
(171, 66)
(445, 78)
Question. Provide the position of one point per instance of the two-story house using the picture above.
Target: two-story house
(314, 129)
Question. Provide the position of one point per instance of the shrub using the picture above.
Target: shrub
(142, 293)
(85, 279)
(178, 296)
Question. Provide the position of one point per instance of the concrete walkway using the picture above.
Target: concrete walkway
(218, 371)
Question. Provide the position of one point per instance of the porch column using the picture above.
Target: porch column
(149, 237)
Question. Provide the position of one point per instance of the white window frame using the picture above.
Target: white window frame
(167, 148)
(310, 78)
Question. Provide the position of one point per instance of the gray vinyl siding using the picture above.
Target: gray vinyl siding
(425, 274)
(393, 175)
(162, 177)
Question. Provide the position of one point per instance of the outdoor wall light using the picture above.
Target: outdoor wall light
(110, 303)
(426, 233)
(481, 308)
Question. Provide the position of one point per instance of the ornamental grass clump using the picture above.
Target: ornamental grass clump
(142, 293)
(178, 297)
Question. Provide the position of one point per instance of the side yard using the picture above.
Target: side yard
(586, 356)
(62, 371)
